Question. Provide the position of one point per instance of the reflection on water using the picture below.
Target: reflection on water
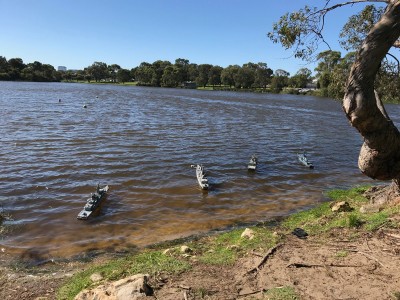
(141, 142)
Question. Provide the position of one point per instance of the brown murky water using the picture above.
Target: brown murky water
(141, 142)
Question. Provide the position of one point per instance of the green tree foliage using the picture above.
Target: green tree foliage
(279, 80)
(262, 76)
(183, 65)
(159, 67)
(4, 65)
(204, 71)
(98, 71)
(228, 75)
(193, 72)
(112, 71)
(338, 76)
(301, 78)
(173, 76)
(298, 30)
(327, 62)
(214, 76)
(244, 78)
(123, 75)
(358, 26)
(144, 74)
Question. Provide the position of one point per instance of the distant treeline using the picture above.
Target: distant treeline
(330, 78)
(161, 74)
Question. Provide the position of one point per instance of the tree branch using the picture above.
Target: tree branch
(325, 10)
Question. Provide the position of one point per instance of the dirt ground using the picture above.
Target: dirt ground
(337, 266)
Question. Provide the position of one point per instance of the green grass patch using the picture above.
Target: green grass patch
(342, 253)
(149, 262)
(282, 293)
(321, 218)
(353, 195)
(225, 248)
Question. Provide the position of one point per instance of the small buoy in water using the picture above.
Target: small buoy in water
(84, 106)
(59, 100)
(97, 96)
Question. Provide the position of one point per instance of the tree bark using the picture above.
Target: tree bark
(380, 153)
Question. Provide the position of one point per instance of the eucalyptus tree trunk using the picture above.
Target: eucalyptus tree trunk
(380, 154)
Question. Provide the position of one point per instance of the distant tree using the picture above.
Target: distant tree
(245, 76)
(214, 76)
(262, 76)
(327, 62)
(16, 63)
(4, 69)
(183, 64)
(228, 75)
(193, 72)
(98, 71)
(301, 78)
(172, 76)
(133, 73)
(113, 70)
(79, 75)
(123, 75)
(158, 68)
(4, 65)
(338, 76)
(144, 74)
(202, 78)
(281, 73)
(279, 80)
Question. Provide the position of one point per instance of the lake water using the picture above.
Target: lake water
(141, 142)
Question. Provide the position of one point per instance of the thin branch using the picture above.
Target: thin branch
(395, 58)
(265, 258)
(326, 10)
(303, 265)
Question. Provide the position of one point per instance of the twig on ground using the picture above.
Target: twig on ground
(252, 293)
(185, 295)
(304, 265)
(265, 258)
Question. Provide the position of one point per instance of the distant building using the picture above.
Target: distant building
(62, 68)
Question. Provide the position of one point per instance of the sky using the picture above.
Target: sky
(77, 33)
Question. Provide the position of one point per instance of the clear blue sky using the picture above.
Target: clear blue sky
(76, 33)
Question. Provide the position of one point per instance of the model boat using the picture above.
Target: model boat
(201, 177)
(93, 203)
(304, 160)
(252, 163)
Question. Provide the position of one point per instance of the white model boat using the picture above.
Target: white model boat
(252, 163)
(201, 177)
(304, 160)
(93, 203)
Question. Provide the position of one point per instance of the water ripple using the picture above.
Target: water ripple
(142, 141)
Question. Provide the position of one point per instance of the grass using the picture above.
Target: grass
(149, 262)
(227, 247)
(281, 293)
(342, 253)
(224, 249)
(321, 219)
